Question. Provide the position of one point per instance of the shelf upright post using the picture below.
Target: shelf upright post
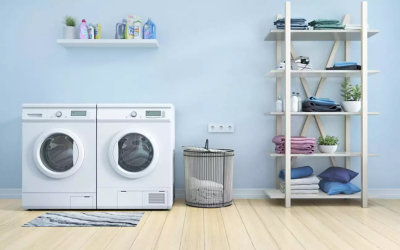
(364, 104)
(348, 117)
(288, 43)
(278, 94)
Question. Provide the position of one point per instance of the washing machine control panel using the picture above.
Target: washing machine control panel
(59, 113)
(133, 114)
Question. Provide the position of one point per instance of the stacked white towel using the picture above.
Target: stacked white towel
(306, 185)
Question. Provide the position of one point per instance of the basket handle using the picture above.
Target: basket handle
(206, 146)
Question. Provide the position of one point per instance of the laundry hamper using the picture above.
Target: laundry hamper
(208, 176)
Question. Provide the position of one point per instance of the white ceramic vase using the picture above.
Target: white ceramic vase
(69, 32)
(351, 106)
(327, 148)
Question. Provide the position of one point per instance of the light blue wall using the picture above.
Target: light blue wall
(211, 65)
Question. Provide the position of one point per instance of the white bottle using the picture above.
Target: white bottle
(294, 103)
(278, 105)
(300, 103)
(138, 30)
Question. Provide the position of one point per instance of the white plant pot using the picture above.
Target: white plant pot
(327, 148)
(351, 106)
(69, 32)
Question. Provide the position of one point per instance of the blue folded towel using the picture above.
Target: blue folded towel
(320, 102)
(341, 64)
(297, 173)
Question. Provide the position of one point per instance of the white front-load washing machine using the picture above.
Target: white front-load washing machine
(59, 156)
(135, 156)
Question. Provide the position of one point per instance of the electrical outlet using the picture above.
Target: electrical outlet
(212, 128)
(221, 128)
(229, 128)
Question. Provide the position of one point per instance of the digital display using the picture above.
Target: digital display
(78, 113)
(153, 113)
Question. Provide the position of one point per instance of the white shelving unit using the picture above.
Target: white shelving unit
(319, 73)
(318, 113)
(286, 37)
(108, 43)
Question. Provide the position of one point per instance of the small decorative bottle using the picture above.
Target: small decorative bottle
(294, 102)
(278, 105)
(300, 103)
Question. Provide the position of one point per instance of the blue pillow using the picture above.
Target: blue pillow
(338, 174)
(332, 188)
(297, 173)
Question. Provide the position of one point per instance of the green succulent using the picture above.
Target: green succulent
(349, 92)
(356, 95)
(70, 21)
(328, 140)
(346, 90)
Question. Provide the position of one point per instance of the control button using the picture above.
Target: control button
(58, 114)
(133, 114)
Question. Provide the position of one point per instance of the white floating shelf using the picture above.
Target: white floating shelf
(318, 35)
(336, 154)
(108, 43)
(277, 194)
(318, 113)
(319, 73)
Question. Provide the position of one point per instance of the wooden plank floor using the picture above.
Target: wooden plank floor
(247, 224)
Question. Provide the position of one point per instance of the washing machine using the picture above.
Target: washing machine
(135, 156)
(59, 156)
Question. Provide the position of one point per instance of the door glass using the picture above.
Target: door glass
(57, 152)
(135, 152)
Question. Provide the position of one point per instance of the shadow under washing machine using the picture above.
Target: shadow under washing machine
(135, 156)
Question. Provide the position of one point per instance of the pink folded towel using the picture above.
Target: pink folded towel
(296, 151)
(279, 139)
(296, 146)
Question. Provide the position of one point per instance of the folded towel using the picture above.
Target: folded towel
(324, 21)
(309, 106)
(312, 179)
(320, 101)
(292, 20)
(296, 151)
(329, 27)
(297, 173)
(302, 191)
(300, 187)
(292, 28)
(339, 64)
(307, 146)
(279, 139)
(350, 67)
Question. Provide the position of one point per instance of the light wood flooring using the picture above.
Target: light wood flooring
(247, 224)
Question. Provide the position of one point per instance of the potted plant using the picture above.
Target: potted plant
(69, 29)
(352, 97)
(328, 144)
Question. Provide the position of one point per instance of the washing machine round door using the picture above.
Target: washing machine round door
(58, 153)
(133, 153)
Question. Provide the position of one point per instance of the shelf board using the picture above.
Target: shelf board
(336, 154)
(277, 194)
(319, 35)
(108, 43)
(319, 73)
(318, 113)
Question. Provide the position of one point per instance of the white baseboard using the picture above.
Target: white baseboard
(238, 193)
(10, 193)
(258, 193)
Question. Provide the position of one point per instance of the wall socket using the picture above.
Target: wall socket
(221, 128)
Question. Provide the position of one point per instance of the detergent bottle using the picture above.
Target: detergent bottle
(83, 30)
(149, 30)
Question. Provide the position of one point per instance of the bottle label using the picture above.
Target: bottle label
(131, 30)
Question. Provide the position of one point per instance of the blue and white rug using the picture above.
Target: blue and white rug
(86, 219)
